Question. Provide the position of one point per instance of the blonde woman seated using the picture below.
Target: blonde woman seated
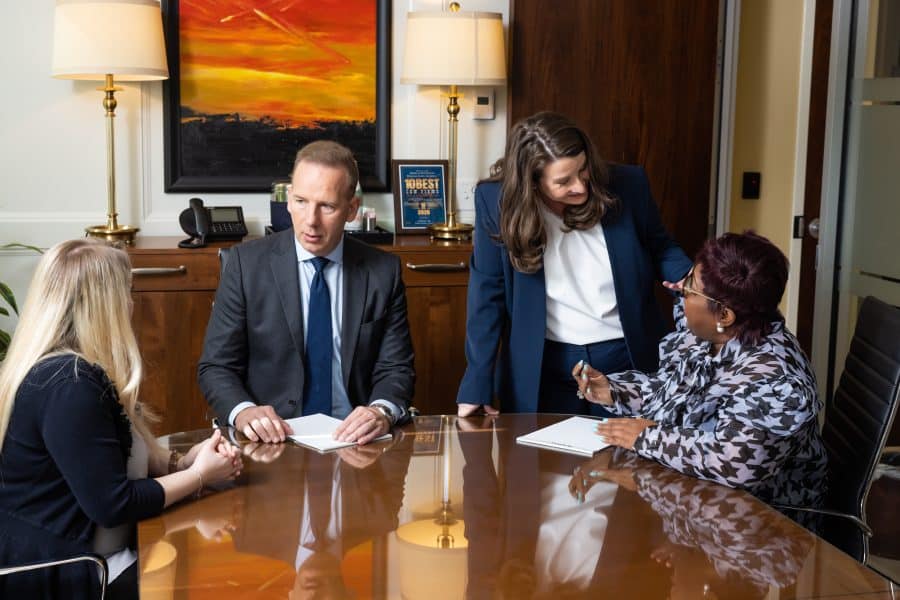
(77, 457)
(734, 400)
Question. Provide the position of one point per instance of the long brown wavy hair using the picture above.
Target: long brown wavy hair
(534, 143)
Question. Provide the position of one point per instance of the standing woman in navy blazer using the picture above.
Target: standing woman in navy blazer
(566, 252)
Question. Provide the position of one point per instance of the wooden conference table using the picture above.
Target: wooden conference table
(454, 508)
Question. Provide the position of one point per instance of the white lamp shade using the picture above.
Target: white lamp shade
(454, 48)
(92, 38)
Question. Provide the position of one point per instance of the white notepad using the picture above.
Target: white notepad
(317, 432)
(575, 435)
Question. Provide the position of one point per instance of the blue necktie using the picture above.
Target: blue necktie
(317, 362)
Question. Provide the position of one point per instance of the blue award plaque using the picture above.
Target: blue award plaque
(420, 196)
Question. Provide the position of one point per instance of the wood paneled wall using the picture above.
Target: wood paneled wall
(640, 77)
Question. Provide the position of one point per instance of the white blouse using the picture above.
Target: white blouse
(581, 297)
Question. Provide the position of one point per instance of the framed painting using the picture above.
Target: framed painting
(252, 81)
(420, 194)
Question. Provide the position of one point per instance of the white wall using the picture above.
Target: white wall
(53, 148)
(770, 125)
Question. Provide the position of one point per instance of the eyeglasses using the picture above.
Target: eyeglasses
(688, 288)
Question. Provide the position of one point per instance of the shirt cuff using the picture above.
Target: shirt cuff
(238, 408)
(397, 413)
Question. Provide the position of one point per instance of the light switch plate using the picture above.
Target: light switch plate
(483, 104)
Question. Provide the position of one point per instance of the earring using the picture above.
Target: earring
(719, 327)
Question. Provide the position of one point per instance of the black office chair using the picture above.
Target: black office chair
(95, 559)
(857, 424)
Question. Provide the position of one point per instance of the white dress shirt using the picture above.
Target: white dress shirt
(567, 529)
(581, 296)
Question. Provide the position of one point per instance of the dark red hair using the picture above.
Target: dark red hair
(747, 273)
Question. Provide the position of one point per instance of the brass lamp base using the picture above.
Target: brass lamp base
(119, 233)
(451, 231)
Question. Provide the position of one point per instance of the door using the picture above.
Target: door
(640, 78)
(807, 226)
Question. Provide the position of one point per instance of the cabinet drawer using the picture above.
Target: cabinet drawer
(174, 272)
(435, 269)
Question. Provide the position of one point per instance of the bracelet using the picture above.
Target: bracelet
(174, 457)
(200, 477)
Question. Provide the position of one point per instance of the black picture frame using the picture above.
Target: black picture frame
(408, 219)
(374, 170)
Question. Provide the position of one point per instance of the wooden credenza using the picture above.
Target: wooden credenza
(173, 291)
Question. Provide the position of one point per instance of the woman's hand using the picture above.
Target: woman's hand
(582, 481)
(677, 287)
(593, 385)
(622, 432)
(467, 410)
(188, 459)
(216, 461)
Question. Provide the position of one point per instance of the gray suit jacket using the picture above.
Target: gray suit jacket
(254, 343)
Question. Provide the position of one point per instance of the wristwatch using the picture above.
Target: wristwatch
(384, 410)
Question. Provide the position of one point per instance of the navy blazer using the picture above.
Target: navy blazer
(507, 309)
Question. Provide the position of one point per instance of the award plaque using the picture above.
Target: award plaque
(420, 194)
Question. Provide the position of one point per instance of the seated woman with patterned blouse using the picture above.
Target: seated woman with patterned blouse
(734, 400)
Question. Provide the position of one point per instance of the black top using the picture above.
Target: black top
(63, 465)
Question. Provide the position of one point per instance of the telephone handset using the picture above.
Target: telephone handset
(212, 224)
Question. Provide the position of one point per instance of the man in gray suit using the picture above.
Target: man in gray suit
(308, 320)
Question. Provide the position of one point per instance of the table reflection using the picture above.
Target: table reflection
(719, 542)
(530, 538)
(454, 508)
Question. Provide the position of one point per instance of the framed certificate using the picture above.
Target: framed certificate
(420, 194)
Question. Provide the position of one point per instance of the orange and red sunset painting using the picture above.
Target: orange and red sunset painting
(294, 62)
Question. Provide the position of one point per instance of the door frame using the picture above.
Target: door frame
(825, 322)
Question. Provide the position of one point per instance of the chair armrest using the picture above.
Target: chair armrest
(832, 513)
(98, 560)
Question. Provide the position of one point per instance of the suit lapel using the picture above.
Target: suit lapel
(618, 244)
(356, 281)
(283, 262)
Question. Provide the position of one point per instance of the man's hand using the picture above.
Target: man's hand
(467, 410)
(362, 426)
(360, 457)
(262, 453)
(261, 424)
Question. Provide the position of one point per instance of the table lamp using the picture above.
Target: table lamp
(453, 48)
(103, 40)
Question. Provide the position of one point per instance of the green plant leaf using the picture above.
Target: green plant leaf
(7, 295)
(4, 312)
(4, 344)
(23, 247)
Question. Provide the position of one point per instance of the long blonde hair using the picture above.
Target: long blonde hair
(79, 303)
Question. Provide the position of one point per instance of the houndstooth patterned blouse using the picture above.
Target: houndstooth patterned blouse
(740, 537)
(745, 418)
